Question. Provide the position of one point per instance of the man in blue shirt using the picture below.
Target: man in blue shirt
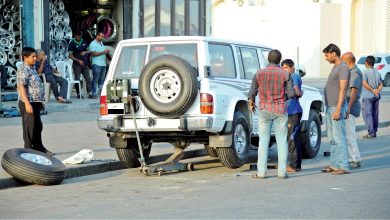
(99, 62)
(294, 111)
(372, 84)
(52, 76)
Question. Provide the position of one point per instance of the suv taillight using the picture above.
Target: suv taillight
(379, 67)
(206, 103)
(103, 105)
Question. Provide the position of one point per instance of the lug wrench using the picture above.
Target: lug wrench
(141, 153)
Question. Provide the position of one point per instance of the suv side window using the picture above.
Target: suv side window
(388, 60)
(250, 62)
(221, 61)
(265, 53)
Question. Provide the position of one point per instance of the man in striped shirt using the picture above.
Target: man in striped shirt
(270, 85)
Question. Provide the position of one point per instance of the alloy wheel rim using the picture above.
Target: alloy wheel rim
(38, 159)
(240, 140)
(313, 134)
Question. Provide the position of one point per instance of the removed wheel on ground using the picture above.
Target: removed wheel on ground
(129, 155)
(237, 154)
(311, 138)
(168, 86)
(33, 166)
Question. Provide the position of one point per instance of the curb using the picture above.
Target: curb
(100, 166)
(363, 127)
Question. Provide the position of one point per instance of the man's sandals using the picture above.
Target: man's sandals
(334, 171)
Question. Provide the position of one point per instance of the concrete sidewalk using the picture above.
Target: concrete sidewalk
(53, 106)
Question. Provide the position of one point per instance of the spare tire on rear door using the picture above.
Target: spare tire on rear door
(33, 166)
(168, 86)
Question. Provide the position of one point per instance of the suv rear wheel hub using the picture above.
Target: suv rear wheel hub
(165, 85)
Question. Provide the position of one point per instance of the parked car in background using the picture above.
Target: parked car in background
(382, 64)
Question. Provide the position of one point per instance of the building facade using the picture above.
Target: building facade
(302, 28)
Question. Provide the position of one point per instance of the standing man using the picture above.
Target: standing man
(98, 51)
(52, 76)
(31, 101)
(294, 111)
(270, 85)
(372, 84)
(336, 110)
(353, 95)
(78, 53)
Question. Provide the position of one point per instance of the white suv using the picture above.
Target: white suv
(382, 64)
(191, 90)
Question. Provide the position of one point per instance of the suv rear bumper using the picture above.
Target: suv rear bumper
(126, 124)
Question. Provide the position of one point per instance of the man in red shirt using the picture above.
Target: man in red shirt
(270, 85)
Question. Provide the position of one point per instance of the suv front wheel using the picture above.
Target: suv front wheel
(237, 154)
(311, 138)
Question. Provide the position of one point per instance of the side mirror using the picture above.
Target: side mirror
(301, 71)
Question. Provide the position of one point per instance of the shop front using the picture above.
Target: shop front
(50, 24)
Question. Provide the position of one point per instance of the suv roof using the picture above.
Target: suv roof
(187, 38)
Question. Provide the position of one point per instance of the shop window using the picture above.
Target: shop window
(149, 11)
(165, 17)
(221, 61)
(194, 17)
(172, 17)
(179, 18)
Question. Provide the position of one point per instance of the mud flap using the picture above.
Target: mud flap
(221, 140)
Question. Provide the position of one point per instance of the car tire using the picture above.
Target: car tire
(33, 166)
(212, 152)
(168, 86)
(311, 138)
(386, 81)
(129, 156)
(237, 154)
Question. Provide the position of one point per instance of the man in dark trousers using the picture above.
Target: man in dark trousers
(294, 111)
(373, 85)
(336, 111)
(31, 101)
(79, 54)
(53, 77)
(270, 85)
(3, 74)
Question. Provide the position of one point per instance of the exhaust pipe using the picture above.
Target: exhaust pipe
(111, 134)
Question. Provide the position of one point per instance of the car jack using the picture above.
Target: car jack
(170, 164)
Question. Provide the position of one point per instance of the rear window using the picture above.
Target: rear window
(131, 62)
(362, 60)
(185, 51)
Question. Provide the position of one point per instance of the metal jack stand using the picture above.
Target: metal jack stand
(170, 164)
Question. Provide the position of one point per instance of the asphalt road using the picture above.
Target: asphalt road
(213, 191)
